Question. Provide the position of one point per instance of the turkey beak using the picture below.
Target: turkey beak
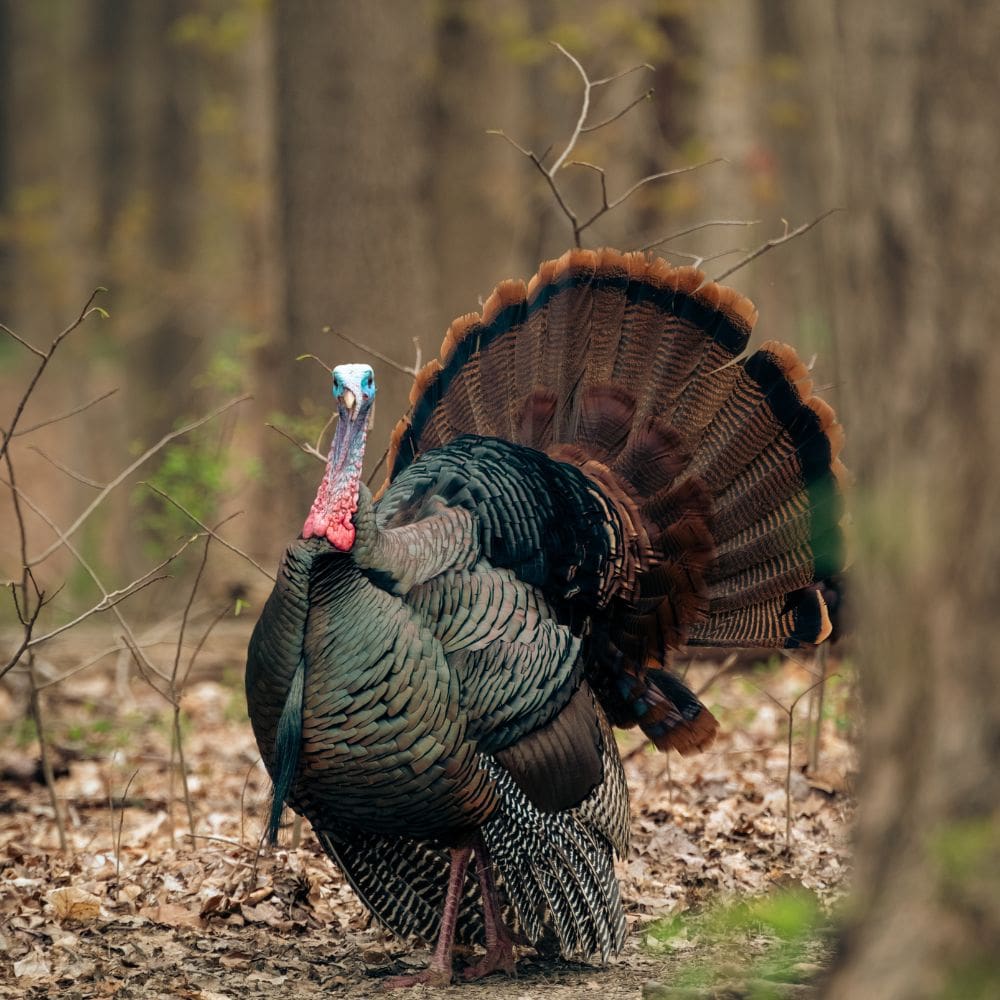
(350, 401)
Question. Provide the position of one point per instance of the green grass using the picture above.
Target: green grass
(763, 942)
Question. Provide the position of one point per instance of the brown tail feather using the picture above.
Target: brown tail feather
(724, 470)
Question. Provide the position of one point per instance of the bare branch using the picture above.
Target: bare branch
(405, 369)
(69, 413)
(143, 664)
(378, 465)
(43, 752)
(186, 612)
(46, 357)
(694, 229)
(121, 823)
(117, 596)
(201, 642)
(211, 531)
(308, 449)
(727, 664)
(622, 74)
(816, 707)
(29, 625)
(584, 109)
(620, 114)
(87, 568)
(34, 350)
(319, 438)
(125, 473)
(607, 207)
(524, 152)
(80, 667)
(553, 187)
(319, 361)
(78, 476)
(600, 172)
(777, 241)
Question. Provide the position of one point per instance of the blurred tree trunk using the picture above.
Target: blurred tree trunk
(6, 51)
(161, 118)
(352, 166)
(481, 231)
(918, 297)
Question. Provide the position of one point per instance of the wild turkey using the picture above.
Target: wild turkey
(590, 476)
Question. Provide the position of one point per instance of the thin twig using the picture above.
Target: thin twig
(105, 604)
(243, 795)
(790, 712)
(80, 667)
(27, 611)
(697, 228)
(201, 642)
(581, 127)
(727, 664)
(618, 114)
(183, 767)
(46, 357)
(610, 206)
(392, 362)
(143, 663)
(222, 840)
(211, 531)
(31, 347)
(78, 476)
(334, 415)
(378, 465)
(69, 413)
(697, 259)
(622, 74)
(90, 572)
(776, 242)
(187, 610)
(319, 361)
(816, 707)
(125, 473)
(584, 109)
(43, 752)
(116, 596)
(308, 449)
(121, 823)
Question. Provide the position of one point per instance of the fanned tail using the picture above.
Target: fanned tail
(721, 470)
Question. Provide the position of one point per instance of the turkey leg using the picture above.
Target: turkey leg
(438, 973)
(499, 943)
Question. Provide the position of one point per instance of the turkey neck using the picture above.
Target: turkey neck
(332, 512)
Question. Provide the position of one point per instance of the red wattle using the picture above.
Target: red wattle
(331, 516)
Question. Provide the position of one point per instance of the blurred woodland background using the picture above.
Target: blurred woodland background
(249, 180)
(252, 180)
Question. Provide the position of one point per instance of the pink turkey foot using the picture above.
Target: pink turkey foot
(499, 955)
(431, 976)
(438, 973)
(499, 958)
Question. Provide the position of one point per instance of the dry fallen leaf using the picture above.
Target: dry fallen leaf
(33, 966)
(173, 915)
(72, 903)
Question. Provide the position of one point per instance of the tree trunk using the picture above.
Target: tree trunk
(6, 51)
(918, 293)
(352, 168)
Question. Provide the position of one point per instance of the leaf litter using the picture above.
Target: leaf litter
(138, 908)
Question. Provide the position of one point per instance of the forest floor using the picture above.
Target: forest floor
(718, 904)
